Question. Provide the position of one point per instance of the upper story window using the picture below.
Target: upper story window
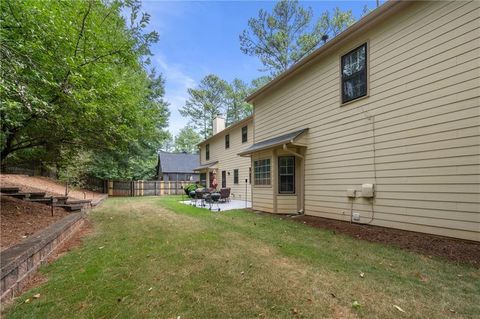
(207, 152)
(227, 141)
(354, 74)
(261, 172)
(286, 175)
(244, 134)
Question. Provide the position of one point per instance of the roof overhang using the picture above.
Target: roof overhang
(293, 138)
(372, 19)
(206, 166)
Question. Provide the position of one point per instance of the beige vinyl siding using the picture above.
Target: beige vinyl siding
(228, 160)
(287, 204)
(422, 112)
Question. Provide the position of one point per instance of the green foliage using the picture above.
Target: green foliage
(236, 107)
(205, 103)
(283, 37)
(191, 187)
(73, 81)
(187, 140)
(215, 96)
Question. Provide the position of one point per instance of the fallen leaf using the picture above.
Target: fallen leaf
(101, 247)
(398, 308)
(355, 304)
(242, 273)
(27, 300)
(333, 295)
(36, 296)
(150, 289)
(294, 311)
(362, 275)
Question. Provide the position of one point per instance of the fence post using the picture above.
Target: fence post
(110, 188)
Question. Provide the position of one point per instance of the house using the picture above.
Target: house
(219, 159)
(177, 166)
(380, 125)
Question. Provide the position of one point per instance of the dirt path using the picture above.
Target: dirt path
(44, 184)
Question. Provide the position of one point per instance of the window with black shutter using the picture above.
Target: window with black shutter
(354, 74)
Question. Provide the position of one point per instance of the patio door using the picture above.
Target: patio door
(224, 179)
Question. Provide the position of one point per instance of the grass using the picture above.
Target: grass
(156, 258)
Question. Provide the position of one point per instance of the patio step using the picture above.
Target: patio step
(70, 207)
(37, 195)
(9, 190)
(17, 195)
(78, 201)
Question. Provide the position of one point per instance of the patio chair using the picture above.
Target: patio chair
(225, 194)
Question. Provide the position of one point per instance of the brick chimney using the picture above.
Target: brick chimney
(218, 124)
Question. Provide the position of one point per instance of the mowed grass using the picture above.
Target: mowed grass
(156, 258)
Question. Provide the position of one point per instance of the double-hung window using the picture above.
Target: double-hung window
(261, 172)
(235, 176)
(354, 74)
(244, 134)
(286, 175)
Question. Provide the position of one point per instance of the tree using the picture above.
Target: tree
(168, 143)
(74, 80)
(237, 108)
(259, 82)
(283, 37)
(187, 140)
(205, 103)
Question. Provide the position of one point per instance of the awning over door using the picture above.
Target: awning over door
(289, 138)
(212, 165)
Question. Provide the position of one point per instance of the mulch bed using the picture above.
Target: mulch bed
(456, 250)
(20, 219)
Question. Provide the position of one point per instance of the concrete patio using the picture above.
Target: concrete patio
(231, 205)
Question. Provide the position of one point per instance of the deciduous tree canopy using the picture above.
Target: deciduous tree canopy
(74, 79)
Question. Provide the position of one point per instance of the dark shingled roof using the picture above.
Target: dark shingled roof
(275, 141)
(178, 162)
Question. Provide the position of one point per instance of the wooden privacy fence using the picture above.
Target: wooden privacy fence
(146, 188)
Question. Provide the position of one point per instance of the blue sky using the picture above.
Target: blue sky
(201, 37)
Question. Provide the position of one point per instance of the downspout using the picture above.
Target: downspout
(285, 148)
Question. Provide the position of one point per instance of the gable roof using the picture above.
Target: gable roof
(177, 162)
(368, 22)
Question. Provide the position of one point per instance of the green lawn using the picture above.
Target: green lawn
(152, 257)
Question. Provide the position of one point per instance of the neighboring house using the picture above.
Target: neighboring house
(388, 108)
(218, 156)
(177, 166)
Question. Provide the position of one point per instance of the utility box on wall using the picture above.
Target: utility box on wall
(368, 190)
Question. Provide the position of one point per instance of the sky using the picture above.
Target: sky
(198, 38)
